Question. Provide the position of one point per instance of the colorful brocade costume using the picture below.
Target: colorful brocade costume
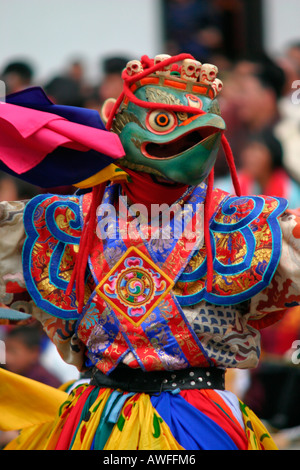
(205, 333)
(172, 282)
(147, 309)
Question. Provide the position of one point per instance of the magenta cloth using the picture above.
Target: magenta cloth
(28, 136)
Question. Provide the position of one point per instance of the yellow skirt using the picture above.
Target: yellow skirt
(104, 419)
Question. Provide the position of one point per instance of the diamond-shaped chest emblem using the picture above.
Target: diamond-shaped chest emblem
(134, 286)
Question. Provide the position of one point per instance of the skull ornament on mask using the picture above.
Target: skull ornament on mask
(133, 67)
(208, 73)
(217, 86)
(190, 70)
(160, 58)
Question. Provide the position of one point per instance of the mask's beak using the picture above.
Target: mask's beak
(202, 131)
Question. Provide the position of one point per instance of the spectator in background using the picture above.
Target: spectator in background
(14, 189)
(259, 92)
(289, 126)
(17, 76)
(258, 89)
(76, 71)
(111, 85)
(23, 346)
(262, 172)
(64, 90)
(8, 188)
(192, 26)
(273, 390)
(293, 53)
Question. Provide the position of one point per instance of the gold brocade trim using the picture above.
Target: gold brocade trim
(65, 271)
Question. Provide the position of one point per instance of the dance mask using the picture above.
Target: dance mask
(168, 118)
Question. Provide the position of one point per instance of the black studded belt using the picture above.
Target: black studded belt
(138, 381)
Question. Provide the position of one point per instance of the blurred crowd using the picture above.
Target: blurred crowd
(263, 125)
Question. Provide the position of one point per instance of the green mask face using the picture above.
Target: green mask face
(175, 146)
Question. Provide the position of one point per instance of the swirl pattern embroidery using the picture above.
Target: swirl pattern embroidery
(246, 241)
(53, 227)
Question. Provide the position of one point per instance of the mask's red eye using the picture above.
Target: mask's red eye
(161, 122)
